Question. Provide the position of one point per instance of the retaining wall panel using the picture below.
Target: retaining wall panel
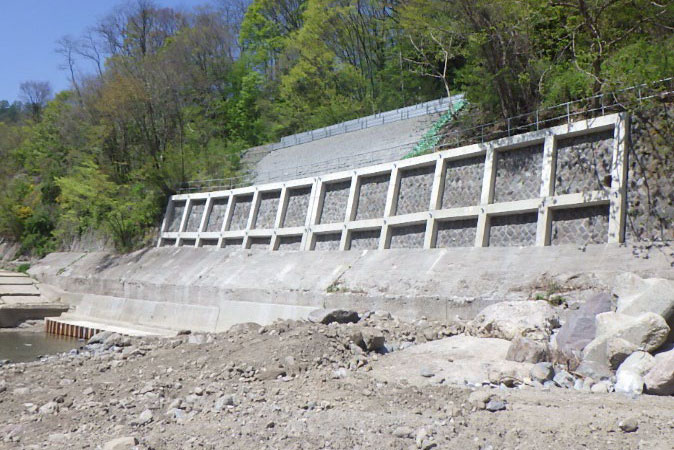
(266, 213)
(584, 163)
(241, 211)
(217, 215)
(456, 233)
(335, 199)
(518, 173)
(292, 243)
(176, 215)
(409, 236)
(580, 226)
(372, 197)
(298, 207)
(415, 190)
(463, 182)
(364, 239)
(196, 213)
(516, 230)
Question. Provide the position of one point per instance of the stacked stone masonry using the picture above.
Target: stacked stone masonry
(559, 186)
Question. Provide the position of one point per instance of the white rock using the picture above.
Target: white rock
(637, 295)
(508, 320)
(630, 374)
(647, 332)
(121, 443)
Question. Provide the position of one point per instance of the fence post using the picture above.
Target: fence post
(508, 120)
(568, 112)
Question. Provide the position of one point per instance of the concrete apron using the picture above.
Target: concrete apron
(162, 290)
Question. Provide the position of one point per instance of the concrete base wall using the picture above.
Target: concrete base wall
(210, 289)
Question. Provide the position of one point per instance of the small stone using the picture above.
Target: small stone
(222, 402)
(617, 350)
(88, 391)
(373, 339)
(49, 408)
(403, 432)
(629, 425)
(99, 338)
(527, 350)
(564, 379)
(479, 399)
(328, 316)
(144, 418)
(426, 372)
(602, 387)
(121, 443)
(495, 405)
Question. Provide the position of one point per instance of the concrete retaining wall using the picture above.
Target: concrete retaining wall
(210, 289)
(561, 185)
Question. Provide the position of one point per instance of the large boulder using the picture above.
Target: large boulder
(508, 320)
(630, 374)
(637, 295)
(580, 329)
(647, 332)
(660, 379)
(526, 350)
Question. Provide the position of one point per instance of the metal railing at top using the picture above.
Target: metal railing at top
(595, 105)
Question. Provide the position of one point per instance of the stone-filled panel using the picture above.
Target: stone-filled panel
(365, 239)
(208, 243)
(232, 242)
(217, 215)
(176, 216)
(196, 213)
(298, 207)
(415, 189)
(327, 241)
(518, 173)
(335, 199)
(290, 242)
(456, 233)
(584, 163)
(188, 242)
(587, 225)
(168, 242)
(259, 243)
(516, 230)
(463, 182)
(266, 213)
(240, 212)
(372, 196)
(408, 236)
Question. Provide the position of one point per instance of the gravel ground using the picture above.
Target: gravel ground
(299, 385)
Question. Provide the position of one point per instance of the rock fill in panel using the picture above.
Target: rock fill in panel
(579, 226)
(365, 239)
(584, 163)
(327, 241)
(196, 212)
(334, 202)
(290, 242)
(217, 215)
(298, 207)
(456, 233)
(415, 190)
(176, 216)
(259, 243)
(241, 211)
(518, 173)
(517, 230)
(463, 182)
(266, 213)
(408, 236)
(372, 198)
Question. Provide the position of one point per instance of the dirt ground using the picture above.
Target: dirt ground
(299, 385)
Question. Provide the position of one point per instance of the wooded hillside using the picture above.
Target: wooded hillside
(170, 96)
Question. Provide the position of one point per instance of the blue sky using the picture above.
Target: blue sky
(29, 30)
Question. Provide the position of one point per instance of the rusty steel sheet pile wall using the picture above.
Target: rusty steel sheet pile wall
(561, 185)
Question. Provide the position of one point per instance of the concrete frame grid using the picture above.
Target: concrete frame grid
(543, 205)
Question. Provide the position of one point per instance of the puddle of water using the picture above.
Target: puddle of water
(22, 346)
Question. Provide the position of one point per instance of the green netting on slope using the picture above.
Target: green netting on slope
(431, 138)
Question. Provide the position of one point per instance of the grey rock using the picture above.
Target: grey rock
(246, 327)
(373, 339)
(121, 443)
(116, 340)
(638, 362)
(403, 432)
(426, 372)
(99, 338)
(579, 329)
(480, 398)
(660, 379)
(594, 370)
(224, 401)
(327, 316)
(526, 350)
(495, 405)
(542, 372)
(602, 387)
(49, 408)
(617, 350)
(143, 418)
(629, 425)
(564, 379)
(270, 374)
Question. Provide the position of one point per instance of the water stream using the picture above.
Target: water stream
(23, 346)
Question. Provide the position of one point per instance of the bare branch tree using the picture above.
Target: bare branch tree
(35, 94)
